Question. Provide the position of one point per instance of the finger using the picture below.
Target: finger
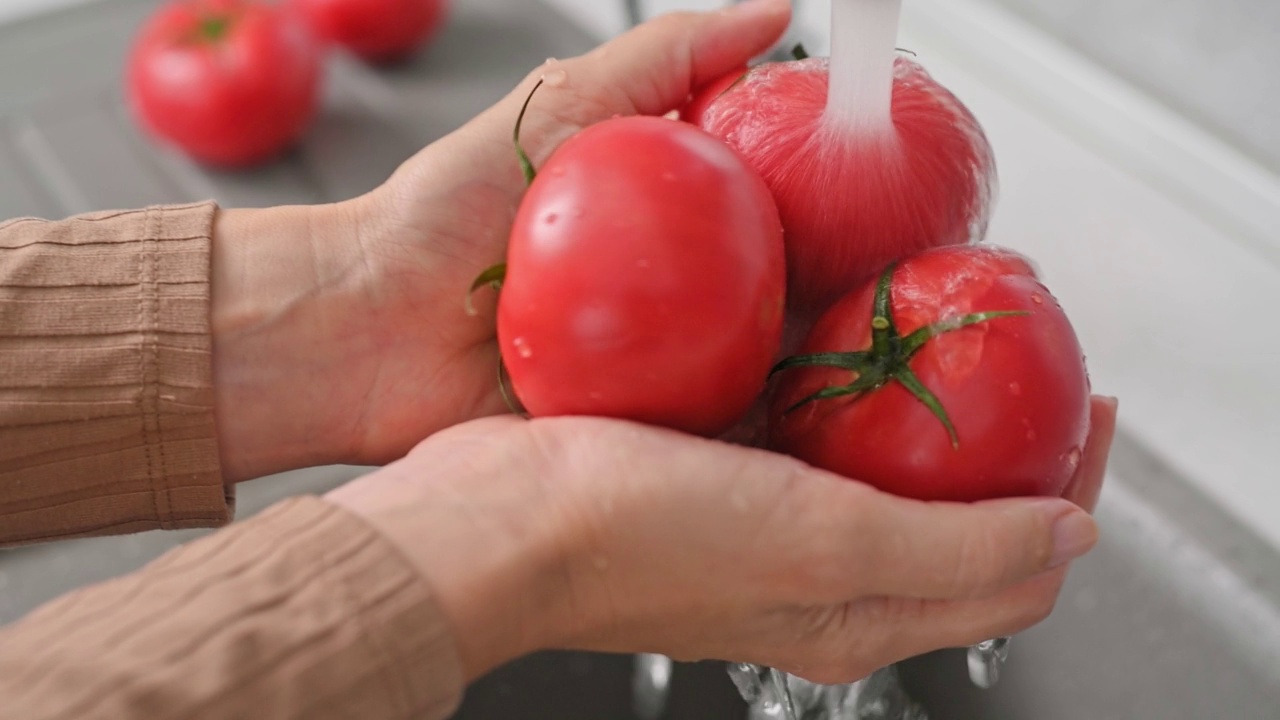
(650, 70)
(889, 546)
(939, 624)
(655, 67)
(1086, 486)
(879, 632)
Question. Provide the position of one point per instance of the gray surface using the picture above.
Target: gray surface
(1215, 61)
(1174, 617)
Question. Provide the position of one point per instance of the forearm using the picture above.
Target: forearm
(106, 397)
(302, 612)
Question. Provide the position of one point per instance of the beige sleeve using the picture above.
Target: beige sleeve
(302, 612)
(106, 406)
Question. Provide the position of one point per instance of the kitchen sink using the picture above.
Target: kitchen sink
(1176, 615)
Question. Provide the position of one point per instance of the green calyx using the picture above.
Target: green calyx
(889, 358)
(213, 28)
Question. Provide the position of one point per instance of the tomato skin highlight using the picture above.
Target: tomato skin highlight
(231, 96)
(854, 200)
(695, 110)
(1016, 388)
(645, 280)
(379, 31)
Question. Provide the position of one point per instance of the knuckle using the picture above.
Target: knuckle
(979, 564)
(833, 558)
(860, 548)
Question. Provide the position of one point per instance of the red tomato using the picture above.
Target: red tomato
(376, 30)
(1015, 388)
(855, 198)
(231, 82)
(645, 280)
(693, 110)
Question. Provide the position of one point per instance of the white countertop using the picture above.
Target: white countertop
(1163, 245)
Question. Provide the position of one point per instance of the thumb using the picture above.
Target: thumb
(656, 66)
(653, 68)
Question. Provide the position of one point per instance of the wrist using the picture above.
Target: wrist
(275, 278)
(487, 544)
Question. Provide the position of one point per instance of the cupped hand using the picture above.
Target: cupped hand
(340, 331)
(603, 535)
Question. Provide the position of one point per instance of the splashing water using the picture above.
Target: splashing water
(651, 685)
(773, 695)
(986, 660)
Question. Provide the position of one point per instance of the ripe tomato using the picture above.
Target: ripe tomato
(702, 98)
(1014, 387)
(645, 280)
(231, 82)
(854, 196)
(376, 30)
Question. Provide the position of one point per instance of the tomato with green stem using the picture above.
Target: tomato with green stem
(231, 83)
(645, 279)
(955, 376)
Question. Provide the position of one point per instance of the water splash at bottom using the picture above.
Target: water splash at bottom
(774, 695)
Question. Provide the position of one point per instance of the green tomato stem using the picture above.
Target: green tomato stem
(889, 358)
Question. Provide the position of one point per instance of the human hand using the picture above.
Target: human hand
(602, 535)
(340, 334)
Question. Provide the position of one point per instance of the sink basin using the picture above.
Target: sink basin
(1176, 615)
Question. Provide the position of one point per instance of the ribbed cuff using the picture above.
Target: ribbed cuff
(301, 612)
(106, 398)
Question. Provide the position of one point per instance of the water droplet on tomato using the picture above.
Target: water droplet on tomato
(1037, 299)
(522, 348)
(1031, 432)
(556, 78)
(1073, 458)
(1015, 388)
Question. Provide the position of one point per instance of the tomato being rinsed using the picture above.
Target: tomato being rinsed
(956, 376)
(870, 159)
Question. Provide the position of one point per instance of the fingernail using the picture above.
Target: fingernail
(1074, 534)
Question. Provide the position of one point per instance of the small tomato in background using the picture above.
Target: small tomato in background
(378, 31)
(232, 83)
